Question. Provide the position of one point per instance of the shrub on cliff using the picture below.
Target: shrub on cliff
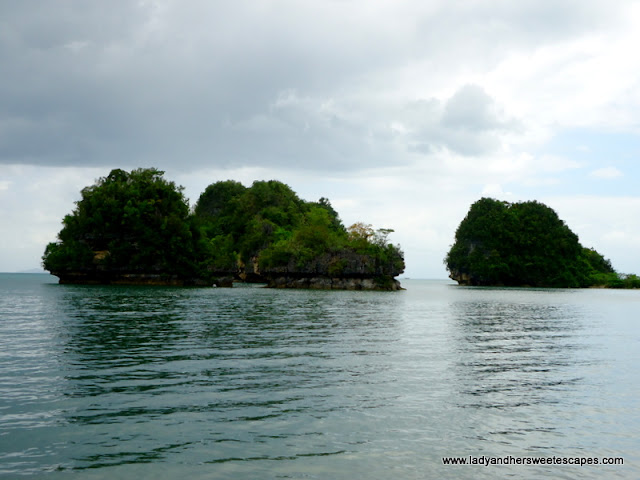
(501, 243)
(268, 226)
(125, 223)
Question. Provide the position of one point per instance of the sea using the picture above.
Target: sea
(114, 382)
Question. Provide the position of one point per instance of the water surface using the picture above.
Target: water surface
(244, 383)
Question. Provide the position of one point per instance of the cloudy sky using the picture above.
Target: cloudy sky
(401, 112)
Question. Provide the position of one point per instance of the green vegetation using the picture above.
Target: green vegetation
(616, 280)
(511, 244)
(139, 224)
(127, 224)
(267, 230)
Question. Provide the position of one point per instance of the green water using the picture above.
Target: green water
(253, 383)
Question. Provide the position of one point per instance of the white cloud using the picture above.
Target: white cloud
(494, 190)
(607, 224)
(606, 173)
(33, 208)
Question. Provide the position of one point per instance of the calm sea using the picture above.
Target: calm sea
(253, 383)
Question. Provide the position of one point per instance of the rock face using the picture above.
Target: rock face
(462, 278)
(338, 271)
(327, 283)
(344, 264)
(344, 270)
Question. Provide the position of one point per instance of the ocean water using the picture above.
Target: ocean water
(254, 383)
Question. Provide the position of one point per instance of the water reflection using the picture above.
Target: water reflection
(256, 383)
(515, 354)
(235, 374)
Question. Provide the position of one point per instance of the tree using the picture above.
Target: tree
(217, 199)
(360, 231)
(128, 223)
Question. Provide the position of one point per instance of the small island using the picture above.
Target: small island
(135, 228)
(526, 244)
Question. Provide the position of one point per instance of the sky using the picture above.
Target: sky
(401, 112)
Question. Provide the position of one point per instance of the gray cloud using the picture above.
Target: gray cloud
(312, 93)
(210, 83)
(468, 123)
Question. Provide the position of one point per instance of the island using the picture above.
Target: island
(137, 228)
(525, 244)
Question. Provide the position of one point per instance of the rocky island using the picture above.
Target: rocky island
(136, 228)
(525, 244)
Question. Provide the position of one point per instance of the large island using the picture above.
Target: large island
(136, 228)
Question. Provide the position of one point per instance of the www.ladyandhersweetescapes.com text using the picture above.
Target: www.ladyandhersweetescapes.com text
(511, 460)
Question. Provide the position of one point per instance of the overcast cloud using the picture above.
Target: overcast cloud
(401, 112)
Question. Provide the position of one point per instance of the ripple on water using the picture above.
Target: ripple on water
(257, 383)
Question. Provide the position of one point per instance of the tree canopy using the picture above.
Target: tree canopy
(526, 243)
(128, 223)
(267, 228)
(138, 223)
